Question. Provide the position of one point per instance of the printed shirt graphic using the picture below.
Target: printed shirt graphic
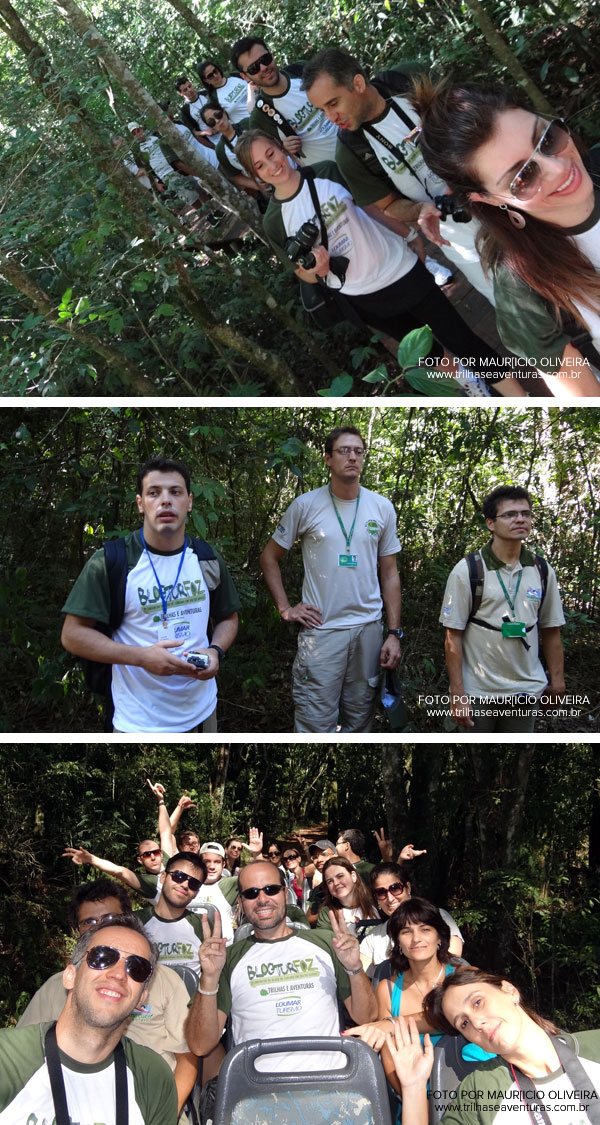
(26, 1099)
(178, 940)
(377, 257)
(275, 989)
(212, 893)
(233, 96)
(485, 1095)
(495, 666)
(319, 136)
(346, 596)
(195, 109)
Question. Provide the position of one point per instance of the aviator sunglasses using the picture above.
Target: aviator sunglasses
(553, 141)
(264, 60)
(393, 889)
(271, 890)
(181, 877)
(105, 956)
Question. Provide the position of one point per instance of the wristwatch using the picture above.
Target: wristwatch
(399, 633)
(219, 650)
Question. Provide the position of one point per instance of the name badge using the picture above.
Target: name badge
(347, 560)
(514, 629)
(174, 630)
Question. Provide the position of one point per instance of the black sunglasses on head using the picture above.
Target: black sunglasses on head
(181, 877)
(104, 956)
(264, 60)
(271, 890)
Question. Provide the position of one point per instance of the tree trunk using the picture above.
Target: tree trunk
(130, 374)
(515, 804)
(211, 42)
(392, 775)
(215, 184)
(507, 57)
(219, 777)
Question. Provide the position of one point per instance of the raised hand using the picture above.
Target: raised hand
(78, 855)
(186, 802)
(410, 852)
(344, 943)
(212, 951)
(384, 845)
(255, 841)
(412, 1062)
(157, 789)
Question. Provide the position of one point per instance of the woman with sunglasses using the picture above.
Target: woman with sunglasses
(229, 133)
(373, 268)
(545, 1073)
(391, 887)
(295, 875)
(347, 895)
(535, 195)
(234, 94)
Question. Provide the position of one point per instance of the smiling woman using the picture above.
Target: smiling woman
(539, 1069)
(526, 181)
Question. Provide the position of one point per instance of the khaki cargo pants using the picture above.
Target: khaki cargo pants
(335, 677)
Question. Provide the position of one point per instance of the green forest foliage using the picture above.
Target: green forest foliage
(512, 837)
(115, 270)
(68, 482)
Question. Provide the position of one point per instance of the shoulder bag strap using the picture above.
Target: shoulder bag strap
(391, 147)
(57, 1081)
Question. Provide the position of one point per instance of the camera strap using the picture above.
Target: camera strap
(571, 1064)
(309, 176)
(391, 147)
(57, 1081)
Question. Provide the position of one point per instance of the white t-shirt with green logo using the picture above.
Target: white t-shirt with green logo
(319, 136)
(278, 989)
(233, 96)
(346, 596)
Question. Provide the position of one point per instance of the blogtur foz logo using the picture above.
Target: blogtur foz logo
(373, 528)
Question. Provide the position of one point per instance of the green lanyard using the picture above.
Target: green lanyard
(347, 534)
(506, 593)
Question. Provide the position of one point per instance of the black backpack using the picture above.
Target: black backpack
(98, 676)
(388, 83)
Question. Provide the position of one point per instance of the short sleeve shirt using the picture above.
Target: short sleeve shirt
(346, 596)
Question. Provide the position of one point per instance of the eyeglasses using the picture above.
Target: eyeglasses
(524, 514)
(151, 853)
(104, 956)
(209, 74)
(393, 889)
(218, 116)
(346, 450)
(271, 890)
(181, 877)
(87, 923)
(264, 60)
(235, 848)
(553, 141)
(274, 853)
(291, 855)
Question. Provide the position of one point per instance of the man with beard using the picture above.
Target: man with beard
(170, 924)
(66, 1071)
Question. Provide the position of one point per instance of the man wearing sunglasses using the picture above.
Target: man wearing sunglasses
(349, 546)
(232, 94)
(278, 981)
(501, 603)
(69, 1070)
(157, 1021)
(282, 109)
(175, 929)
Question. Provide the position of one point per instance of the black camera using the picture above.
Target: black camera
(447, 205)
(298, 248)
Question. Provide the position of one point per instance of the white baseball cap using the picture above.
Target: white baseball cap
(212, 846)
(133, 125)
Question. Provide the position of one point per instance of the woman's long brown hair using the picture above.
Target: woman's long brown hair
(456, 121)
(469, 974)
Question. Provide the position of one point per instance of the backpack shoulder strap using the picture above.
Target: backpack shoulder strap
(202, 549)
(475, 565)
(542, 566)
(115, 558)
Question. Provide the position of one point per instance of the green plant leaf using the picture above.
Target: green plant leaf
(422, 381)
(378, 375)
(339, 386)
(415, 346)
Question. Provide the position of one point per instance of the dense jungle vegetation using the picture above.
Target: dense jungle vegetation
(103, 290)
(68, 482)
(512, 837)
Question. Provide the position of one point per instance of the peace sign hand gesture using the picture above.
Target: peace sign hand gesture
(344, 943)
(384, 845)
(212, 951)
